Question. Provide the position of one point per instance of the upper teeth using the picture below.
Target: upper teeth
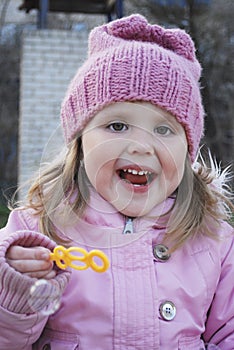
(135, 172)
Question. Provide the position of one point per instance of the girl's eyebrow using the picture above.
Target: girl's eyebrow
(106, 116)
(168, 118)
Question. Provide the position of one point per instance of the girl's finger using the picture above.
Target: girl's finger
(27, 253)
(42, 274)
(25, 266)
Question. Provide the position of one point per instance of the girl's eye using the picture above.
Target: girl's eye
(163, 130)
(117, 127)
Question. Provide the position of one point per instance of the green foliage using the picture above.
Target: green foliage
(4, 212)
(232, 221)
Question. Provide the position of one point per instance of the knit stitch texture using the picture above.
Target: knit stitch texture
(132, 60)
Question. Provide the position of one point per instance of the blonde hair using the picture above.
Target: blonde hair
(197, 199)
(203, 200)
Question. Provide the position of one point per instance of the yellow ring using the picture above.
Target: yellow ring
(99, 254)
(61, 258)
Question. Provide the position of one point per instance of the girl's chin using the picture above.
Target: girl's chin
(131, 200)
(134, 209)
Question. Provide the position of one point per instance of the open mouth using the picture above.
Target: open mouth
(136, 177)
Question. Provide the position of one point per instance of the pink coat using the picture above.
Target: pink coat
(147, 300)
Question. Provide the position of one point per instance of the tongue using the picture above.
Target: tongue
(135, 179)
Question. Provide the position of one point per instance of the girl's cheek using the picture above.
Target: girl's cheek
(98, 171)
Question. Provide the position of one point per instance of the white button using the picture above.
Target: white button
(167, 310)
(161, 253)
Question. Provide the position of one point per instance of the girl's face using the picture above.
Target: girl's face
(134, 155)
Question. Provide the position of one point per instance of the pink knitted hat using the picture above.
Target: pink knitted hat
(131, 60)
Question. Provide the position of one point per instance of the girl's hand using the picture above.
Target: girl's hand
(31, 261)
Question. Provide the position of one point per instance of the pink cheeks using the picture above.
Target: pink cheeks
(134, 155)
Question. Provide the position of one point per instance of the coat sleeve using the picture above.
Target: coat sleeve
(21, 325)
(220, 321)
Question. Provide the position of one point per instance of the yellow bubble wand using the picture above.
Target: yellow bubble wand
(65, 257)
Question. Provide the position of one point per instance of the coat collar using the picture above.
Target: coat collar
(101, 213)
(102, 225)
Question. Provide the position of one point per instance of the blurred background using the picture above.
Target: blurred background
(43, 42)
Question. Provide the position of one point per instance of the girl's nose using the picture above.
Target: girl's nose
(141, 146)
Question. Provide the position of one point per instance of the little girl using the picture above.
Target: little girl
(129, 184)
